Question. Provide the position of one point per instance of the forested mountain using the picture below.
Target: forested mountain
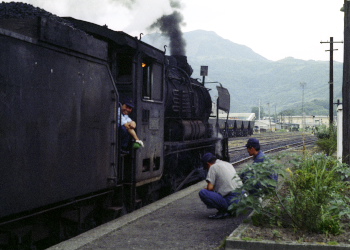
(251, 77)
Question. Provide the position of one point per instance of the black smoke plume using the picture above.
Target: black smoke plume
(169, 25)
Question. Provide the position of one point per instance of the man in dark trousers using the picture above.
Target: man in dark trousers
(222, 182)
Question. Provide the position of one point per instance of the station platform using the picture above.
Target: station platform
(178, 221)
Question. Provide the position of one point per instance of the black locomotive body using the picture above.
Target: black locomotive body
(63, 172)
(56, 117)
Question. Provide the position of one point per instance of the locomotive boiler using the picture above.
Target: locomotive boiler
(61, 82)
(188, 103)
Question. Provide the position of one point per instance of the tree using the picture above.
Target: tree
(256, 111)
(288, 112)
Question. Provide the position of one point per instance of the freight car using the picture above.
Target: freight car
(61, 82)
(235, 124)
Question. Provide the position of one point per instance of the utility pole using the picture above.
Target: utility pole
(302, 84)
(346, 84)
(268, 104)
(331, 78)
(259, 117)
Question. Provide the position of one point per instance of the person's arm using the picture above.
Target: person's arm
(133, 134)
(210, 186)
(211, 177)
(130, 125)
(131, 128)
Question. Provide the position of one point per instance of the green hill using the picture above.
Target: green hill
(251, 77)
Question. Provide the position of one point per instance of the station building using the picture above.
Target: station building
(291, 123)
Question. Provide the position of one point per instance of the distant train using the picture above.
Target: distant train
(236, 124)
(62, 170)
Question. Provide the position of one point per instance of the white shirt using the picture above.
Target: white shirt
(124, 118)
(224, 177)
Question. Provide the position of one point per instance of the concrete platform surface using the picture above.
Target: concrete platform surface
(179, 221)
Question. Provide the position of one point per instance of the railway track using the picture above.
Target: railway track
(270, 143)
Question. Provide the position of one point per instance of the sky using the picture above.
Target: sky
(275, 29)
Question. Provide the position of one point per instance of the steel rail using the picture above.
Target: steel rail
(278, 149)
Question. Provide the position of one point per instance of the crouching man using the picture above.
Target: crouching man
(222, 182)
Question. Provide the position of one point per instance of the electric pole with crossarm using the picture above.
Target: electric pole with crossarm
(331, 78)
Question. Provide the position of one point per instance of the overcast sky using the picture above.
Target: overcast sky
(275, 29)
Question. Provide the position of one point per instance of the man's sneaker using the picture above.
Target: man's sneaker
(219, 215)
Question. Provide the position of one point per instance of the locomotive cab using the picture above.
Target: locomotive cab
(138, 72)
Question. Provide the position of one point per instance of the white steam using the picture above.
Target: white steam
(130, 16)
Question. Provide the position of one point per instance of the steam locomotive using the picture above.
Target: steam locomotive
(61, 82)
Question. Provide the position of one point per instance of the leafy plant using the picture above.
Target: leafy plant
(258, 184)
(314, 196)
(327, 139)
(314, 186)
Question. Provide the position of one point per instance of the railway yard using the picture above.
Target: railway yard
(71, 164)
(270, 142)
(180, 221)
(78, 174)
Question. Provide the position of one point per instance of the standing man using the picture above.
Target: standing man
(127, 125)
(253, 147)
(222, 182)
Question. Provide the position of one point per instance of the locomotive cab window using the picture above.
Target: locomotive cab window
(125, 69)
(152, 88)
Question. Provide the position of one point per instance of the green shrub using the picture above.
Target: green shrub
(258, 179)
(327, 139)
(314, 196)
(313, 186)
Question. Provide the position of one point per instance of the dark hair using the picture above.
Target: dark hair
(209, 157)
(129, 102)
(253, 143)
(212, 160)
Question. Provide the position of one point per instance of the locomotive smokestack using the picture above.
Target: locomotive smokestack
(170, 26)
